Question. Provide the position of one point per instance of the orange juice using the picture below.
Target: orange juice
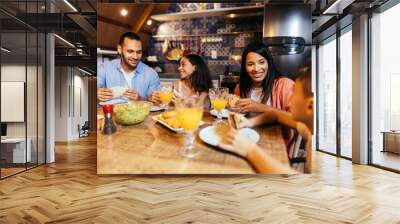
(190, 118)
(166, 97)
(219, 104)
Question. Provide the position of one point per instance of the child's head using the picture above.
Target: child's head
(194, 68)
(302, 101)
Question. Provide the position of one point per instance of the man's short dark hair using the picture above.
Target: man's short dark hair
(304, 76)
(129, 35)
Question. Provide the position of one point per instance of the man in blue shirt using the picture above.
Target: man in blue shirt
(128, 72)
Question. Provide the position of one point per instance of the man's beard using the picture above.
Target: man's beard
(126, 62)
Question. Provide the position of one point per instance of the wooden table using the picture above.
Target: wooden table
(150, 148)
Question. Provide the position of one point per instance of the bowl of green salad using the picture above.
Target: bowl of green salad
(133, 112)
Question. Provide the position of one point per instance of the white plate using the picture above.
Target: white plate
(225, 113)
(210, 136)
(178, 130)
(156, 108)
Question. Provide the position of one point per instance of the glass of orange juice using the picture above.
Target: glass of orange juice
(166, 95)
(219, 100)
(189, 114)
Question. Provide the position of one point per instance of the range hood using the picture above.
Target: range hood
(288, 34)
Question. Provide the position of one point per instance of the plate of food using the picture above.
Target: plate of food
(169, 120)
(155, 108)
(213, 135)
(225, 113)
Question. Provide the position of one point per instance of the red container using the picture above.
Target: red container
(108, 109)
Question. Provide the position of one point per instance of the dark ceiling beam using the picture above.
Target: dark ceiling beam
(11, 15)
(143, 18)
(86, 69)
(86, 26)
(82, 61)
(113, 22)
(91, 5)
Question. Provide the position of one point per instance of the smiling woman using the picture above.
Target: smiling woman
(261, 86)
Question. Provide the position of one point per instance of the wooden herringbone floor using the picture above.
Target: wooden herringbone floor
(69, 191)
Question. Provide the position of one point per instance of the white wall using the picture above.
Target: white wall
(61, 103)
(71, 102)
(15, 72)
(80, 109)
(34, 125)
(12, 73)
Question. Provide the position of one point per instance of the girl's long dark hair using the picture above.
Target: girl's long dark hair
(200, 80)
(272, 73)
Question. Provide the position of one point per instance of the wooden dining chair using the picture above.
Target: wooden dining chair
(298, 158)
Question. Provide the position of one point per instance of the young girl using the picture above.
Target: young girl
(195, 78)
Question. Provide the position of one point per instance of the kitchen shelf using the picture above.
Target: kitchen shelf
(205, 35)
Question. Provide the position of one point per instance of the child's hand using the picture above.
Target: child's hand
(303, 130)
(237, 121)
(244, 122)
(237, 143)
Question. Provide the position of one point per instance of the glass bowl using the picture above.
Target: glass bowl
(133, 112)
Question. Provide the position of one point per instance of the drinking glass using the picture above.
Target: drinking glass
(166, 94)
(219, 100)
(189, 114)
